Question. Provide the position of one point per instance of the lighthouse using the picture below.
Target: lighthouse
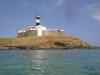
(39, 30)
(37, 20)
(39, 27)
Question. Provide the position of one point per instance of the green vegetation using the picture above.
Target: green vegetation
(5, 41)
(43, 42)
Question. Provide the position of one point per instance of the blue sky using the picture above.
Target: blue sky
(78, 18)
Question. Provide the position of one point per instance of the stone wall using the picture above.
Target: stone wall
(27, 33)
(21, 34)
(44, 33)
(54, 33)
(31, 33)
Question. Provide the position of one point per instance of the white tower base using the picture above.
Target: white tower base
(39, 32)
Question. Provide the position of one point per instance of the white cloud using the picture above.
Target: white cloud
(59, 2)
(94, 10)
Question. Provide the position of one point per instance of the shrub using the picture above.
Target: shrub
(59, 43)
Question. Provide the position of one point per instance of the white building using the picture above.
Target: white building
(39, 30)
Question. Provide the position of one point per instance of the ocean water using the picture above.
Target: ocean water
(50, 62)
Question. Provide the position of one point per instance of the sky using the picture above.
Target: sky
(78, 18)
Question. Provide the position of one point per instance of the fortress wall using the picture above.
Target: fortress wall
(27, 33)
(44, 33)
(54, 33)
(31, 33)
(21, 34)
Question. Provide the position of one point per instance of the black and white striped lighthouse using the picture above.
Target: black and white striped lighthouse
(37, 20)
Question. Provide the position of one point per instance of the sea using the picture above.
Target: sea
(50, 62)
